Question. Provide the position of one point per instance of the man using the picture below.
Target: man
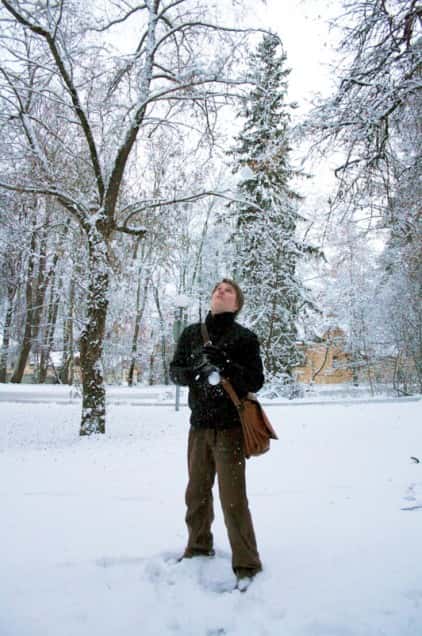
(215, 437)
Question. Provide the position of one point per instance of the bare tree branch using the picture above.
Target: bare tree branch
(191, 198)
(38, 30)
(67, 201)
(120, 20)
(130, 230)
(206, 25)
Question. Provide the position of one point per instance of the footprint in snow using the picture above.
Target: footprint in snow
(413, 496)
(211, 574)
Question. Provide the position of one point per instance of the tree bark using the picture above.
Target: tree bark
(139, 313)
(163, 337)
(27, 335)
(151, 367)
(11, 290)
(66, 369)
(91, 341)
(52, 309)
(47, 345)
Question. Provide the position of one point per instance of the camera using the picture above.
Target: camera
(205, 370)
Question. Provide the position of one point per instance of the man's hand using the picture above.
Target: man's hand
(216, 356)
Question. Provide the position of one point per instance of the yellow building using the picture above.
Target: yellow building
(326, 362)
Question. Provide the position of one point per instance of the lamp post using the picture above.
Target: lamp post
(180, 302)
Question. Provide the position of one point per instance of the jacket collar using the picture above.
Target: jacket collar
(218, 324)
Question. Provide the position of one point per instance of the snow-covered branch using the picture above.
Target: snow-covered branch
(227, 195)
(205, 25)
(139, 231)
(65, 199)
(68, 81)
(120, 20)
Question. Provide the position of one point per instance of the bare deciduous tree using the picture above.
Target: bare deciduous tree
(75, 112)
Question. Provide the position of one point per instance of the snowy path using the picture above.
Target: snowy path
(90, 528)
(165, 396)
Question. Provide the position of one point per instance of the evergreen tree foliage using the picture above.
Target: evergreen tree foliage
(267, 247)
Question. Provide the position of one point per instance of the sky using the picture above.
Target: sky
(303, 26)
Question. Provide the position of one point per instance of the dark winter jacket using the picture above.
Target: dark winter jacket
(210, 405)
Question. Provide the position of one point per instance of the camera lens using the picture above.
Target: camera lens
(214, 378)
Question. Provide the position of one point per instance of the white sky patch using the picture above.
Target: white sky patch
(303, 27)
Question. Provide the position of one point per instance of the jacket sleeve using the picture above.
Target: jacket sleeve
(181, 370)
(247, 374)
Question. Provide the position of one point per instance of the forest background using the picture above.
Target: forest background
(148, 149)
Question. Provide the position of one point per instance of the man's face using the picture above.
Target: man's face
(224, 298)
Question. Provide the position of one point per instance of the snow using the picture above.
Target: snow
(92, 527)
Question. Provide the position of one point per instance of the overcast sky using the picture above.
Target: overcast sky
(304, 30)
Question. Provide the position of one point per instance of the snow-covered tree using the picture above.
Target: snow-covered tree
(348, 297)
(12, 256)
(76, 110)
(267, 246)
(378, 79)
(373, 121)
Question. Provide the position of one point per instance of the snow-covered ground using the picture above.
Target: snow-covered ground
(161, 394)
(90, 528)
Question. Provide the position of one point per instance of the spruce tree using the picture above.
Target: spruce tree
(267, 249)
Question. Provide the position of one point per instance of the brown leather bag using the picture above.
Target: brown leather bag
(256, 427)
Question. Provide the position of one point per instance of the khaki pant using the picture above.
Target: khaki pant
(211, 452)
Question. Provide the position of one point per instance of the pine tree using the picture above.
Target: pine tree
(266, 243)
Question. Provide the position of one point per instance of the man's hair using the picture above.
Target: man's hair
(239, 294)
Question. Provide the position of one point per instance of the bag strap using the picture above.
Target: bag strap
(205, 335)
(227, 385)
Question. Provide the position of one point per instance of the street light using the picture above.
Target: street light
(181, 302)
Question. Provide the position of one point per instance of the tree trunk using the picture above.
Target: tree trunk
(163, 337)
(26, 341)
(151, 368)
(92, 337)
(66, 369)
(47, 345)
(369, 372)
(34, 301)
(139, 313)
(151, 362)
(324, 362)
(11, 290)
(52, 309)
